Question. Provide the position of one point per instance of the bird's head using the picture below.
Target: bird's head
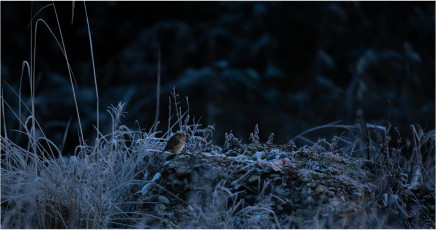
(179, 136)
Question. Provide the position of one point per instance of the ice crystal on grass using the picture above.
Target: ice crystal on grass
(254, 136)
(231, 140)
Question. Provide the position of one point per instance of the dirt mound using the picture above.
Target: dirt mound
(269, 186)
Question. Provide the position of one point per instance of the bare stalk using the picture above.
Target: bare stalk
(158, 89)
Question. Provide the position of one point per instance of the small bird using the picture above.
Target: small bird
(175, 143)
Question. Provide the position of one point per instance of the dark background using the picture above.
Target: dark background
(287, 66)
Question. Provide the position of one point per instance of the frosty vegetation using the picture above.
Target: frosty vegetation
(368, 177)
(124, 181)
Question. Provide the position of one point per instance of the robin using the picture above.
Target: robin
(175, 143)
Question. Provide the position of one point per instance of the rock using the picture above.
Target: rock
(163, 200)
(306, 191)
(356, 194)
(319, 188)
(324, 198)
(159, 208)
(330, 193)
(253, 179)
(334, 202)
(171, 165)
(312, 184)
(169, 215)
(306, 179)
(280, 191)
(180, 172)
(309, 200)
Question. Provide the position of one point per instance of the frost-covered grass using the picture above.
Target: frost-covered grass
(43, 187)
(98, 186)
(90, 189)
(42, 190)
